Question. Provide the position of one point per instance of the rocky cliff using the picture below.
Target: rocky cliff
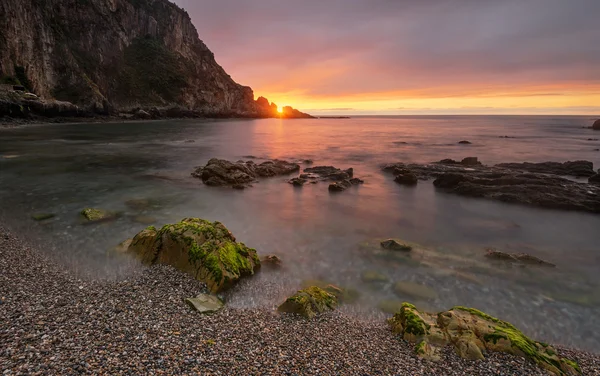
(115, 55)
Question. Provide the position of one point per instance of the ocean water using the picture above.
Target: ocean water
(64, 168)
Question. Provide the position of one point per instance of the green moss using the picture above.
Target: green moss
(232, 257)
(412, 322)
(483, 315)
(494, 337)
(420, 348)
(95, 214)
(151, 228)
(572, 364)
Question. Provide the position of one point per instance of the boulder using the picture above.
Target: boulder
(309, 302)
(394, 245)
(473, 333)
(406, 178)
(297, 182)
(415, 290)
(206, 250)
(342, 294)
(464, 142)
(596, 125)
(205, 303)
(595, 179)
(470, 161)
(220, 172)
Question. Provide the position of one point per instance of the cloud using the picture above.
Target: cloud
(404, 48)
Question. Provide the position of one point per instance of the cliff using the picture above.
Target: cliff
(107, 56)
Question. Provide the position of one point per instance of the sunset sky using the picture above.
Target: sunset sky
(410, 57)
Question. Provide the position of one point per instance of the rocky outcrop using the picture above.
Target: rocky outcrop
(472, 333)
(331, 173)
(574, 168)
(309, 302)
(596, 125)
(505, 183)
(220, 172)
(342, 185)
(205, 250)
(395, 245)
(141, 53)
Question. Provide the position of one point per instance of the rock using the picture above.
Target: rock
(414, 290)
(406, 178)
(271, 260)
(309, 302)
(448, 161)
(592, 139)
(297, 182)
(342, 294)
(464, 142)
(470, 161)
(205, 303)
(97, 215)
(473, 333)
(517, 257)
(594, 179)
(394, 245)
(372, 276)
(596, 125)
(573, 168)
(327, 173)
(205, 250)
(220, 172)
(141, 114)
(122, 247)
(42, 216)
(308, 161)
(342, 185)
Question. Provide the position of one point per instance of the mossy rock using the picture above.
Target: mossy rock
(345, 295)
(42, 216)
(206, 250)
(309, 302)
(390, 306)
(96, 215)
(473, 333)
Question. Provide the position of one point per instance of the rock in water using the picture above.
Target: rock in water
(406, 178)
(42, 216)
(205, 250)
(472, 333)
(309, 302)
(342, 185)
(271, 260)
(594, 179)
(415, 290)
(517, 257)
(220, 172)
(596, 125)
(573, 168)
(470, 161)
(394, 245)
(96, 215)
(205, 303)
(464, 142)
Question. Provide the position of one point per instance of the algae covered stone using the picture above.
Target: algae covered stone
(94, 215)
(345, 295)
(309, 302)
(472, 333)
(206, 250)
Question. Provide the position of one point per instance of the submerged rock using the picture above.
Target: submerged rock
(596, 125)
(372, 276)
(42, 216)
(297, 182)
(472, 333)
(394, 245)
(220, 172)
(517, 257)
(406, 178)
(205, 303)
(327, 173)
(96, 215)
(205, 250)
(271, 260)
(464, 142)
(309, 302)
(343, 294)
(414, 290)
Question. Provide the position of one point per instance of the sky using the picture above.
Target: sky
(351, 57)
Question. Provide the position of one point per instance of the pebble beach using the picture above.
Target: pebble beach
(54, 321)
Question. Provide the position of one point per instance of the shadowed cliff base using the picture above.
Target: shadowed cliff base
(144, 59)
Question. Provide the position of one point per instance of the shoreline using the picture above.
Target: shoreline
(52, 322)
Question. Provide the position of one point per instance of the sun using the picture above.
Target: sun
(280, 110)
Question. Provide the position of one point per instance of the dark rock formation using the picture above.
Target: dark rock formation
(220, 172)
(106, 56)
(574, 168)
(464, 142)
(523, 258)
(395, 245)
(342, 185)
(596, 125)
(406, 178)
(297, 182)
(595, 179)
(510, 185)
(327, 173)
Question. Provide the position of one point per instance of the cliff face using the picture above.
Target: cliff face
(105, 54)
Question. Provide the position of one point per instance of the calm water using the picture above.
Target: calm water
(62, 169)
